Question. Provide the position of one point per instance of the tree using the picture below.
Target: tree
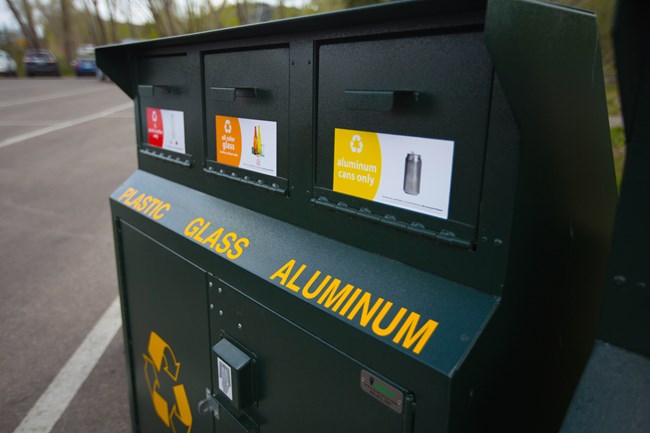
(25, 17)
(110, 5)
(216, 13)
(164, 16)
(67, 30)
(91, 25)
(242, 12)
(99, 22)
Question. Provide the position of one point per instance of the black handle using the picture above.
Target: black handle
(379, 100)
(152, 89)
(229, 94)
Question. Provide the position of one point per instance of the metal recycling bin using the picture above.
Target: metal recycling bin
(613, 391)
(389, 219)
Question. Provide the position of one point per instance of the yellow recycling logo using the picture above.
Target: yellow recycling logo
(159, 360)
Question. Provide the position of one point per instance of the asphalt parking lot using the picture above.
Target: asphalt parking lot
(65, 145)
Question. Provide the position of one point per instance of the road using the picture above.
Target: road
(65, 145)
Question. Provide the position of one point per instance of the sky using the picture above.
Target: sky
(6, 18)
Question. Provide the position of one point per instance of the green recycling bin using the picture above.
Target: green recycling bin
(390, 219)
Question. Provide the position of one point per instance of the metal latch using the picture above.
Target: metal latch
(209, 404)
(212, 404)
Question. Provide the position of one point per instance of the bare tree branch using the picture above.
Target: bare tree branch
(242, 12)
(25, 22)
(100, 23)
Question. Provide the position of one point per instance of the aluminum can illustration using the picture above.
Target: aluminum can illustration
(412, 173)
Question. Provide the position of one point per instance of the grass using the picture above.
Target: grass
(613, 101)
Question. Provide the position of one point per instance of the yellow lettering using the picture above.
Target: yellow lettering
(239, 248)
(133, 203)
(376, 324)
(194, 226)
(310, 282)
(226, 242)
(144, 203)
(284, 272)
(213, 238)
(153, 207)
(159, 212)
(311, 295)
(348, 304)
(410, 336)
(332, 296)
(293, 279)
(366, 314)
(130, 192)
(361, 305)
(197, 236)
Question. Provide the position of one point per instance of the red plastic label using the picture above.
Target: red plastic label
(155, 129)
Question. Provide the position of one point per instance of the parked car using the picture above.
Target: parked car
(7, 64)
(86, 50)
(40, 62)
(84, 66)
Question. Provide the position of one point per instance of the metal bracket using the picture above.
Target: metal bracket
(444, 236)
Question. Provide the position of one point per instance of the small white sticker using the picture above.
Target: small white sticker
(225, 378)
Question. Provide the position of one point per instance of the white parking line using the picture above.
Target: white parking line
(48, 409)
(62, 125)
(27, 122)
(52, 96)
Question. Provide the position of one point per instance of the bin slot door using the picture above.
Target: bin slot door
(165, 103)
(401, 128)
(247, 116)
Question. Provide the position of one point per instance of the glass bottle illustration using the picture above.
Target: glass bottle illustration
(254, 150)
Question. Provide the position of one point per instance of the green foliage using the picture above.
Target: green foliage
(618, 148)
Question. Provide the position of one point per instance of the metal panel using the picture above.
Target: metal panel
(300, 381)
(168, 334)
(193, 217)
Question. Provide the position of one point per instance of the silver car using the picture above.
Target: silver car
(7, 64)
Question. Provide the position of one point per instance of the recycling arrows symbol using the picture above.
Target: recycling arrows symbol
(160, 359)
(356, 145)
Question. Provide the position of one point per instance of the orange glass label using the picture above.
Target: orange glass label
(247, 143)
(229, 142)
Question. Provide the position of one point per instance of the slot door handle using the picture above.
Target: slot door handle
(229, 94)
(152, 89)
(379, 100)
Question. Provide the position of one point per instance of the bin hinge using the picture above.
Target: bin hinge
(442, 236)
(175, 159)
(260, 184)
